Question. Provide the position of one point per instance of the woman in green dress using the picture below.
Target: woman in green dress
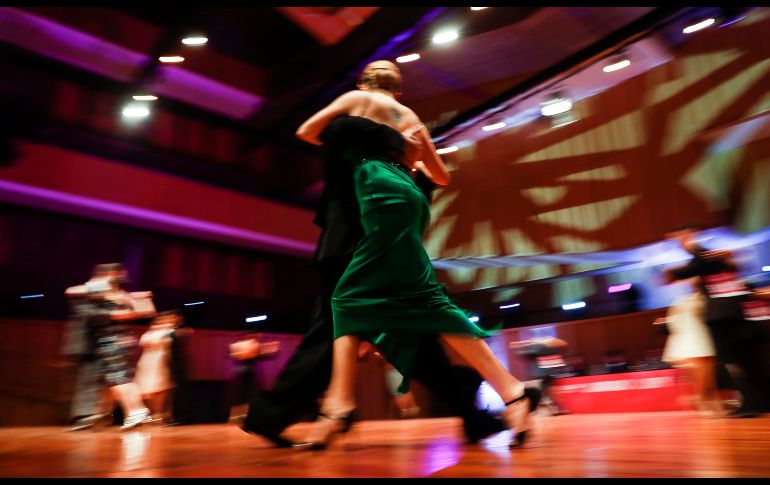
(389, 294)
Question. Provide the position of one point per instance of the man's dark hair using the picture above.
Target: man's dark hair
(108, 267)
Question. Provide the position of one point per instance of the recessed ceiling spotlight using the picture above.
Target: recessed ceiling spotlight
(617, 65)
(407, 58)
(493, 127)
(442, 151)
(171, 59)
(135, 110)
(445, 36)
(574, 306)
(699, 26)
(196, 40)
(556, 104)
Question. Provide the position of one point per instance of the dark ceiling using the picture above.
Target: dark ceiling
(271, 68)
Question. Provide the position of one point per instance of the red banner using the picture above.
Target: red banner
(659, 390)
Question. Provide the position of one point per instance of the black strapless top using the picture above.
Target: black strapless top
(355, 138)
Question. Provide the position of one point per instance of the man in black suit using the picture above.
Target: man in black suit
(307, 374)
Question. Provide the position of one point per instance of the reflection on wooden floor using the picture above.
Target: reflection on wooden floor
(675, 444)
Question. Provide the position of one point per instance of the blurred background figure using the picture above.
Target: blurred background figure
(179, 371)
(79, 350)
(689, 345)
(738, 342)
(615, 362)
(246, 352)
(405, 403)
(108, 306)
(546, 361)
(576, 366)
(153, 371)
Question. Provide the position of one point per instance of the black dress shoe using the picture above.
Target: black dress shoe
(482, 425)
(275, 438)
(743, 413)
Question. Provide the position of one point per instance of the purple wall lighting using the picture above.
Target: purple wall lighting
(619, 288)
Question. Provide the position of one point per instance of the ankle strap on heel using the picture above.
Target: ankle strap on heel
(514, 401)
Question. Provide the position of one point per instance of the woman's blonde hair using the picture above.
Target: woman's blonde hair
(382, 75)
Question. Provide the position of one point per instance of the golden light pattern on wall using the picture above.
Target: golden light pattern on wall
(646, 155)
(619, 134)
(591, 216)
(695, 116)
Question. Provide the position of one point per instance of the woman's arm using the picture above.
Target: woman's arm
(145, 310)
(315, 125)
(436, 169)
(79, 291)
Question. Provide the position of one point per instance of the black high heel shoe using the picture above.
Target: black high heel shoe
(275, 438)
(344, 421)
(533, 397)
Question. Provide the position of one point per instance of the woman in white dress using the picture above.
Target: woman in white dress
(690, 346)
(153, 374)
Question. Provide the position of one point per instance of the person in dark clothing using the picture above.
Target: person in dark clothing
(738, 342)
(180, 409)
(545, 357)
(79, 349)
(307, 374)
(246, 352)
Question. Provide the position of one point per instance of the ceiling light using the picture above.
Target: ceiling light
(442, 151)
(616, 66)
(493, 127)
(407, 58)
(478, 8)
(474, 319)
(195, 303)
(445, 36)
(145, 97)
(557, 104)
(194, 40)
(136, 111)
(512, 305)
(698, 26)
(765, 268)
(258, 318)
(574, 306)
(171, 59)
(26, 297)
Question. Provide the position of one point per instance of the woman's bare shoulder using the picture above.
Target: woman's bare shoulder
(410, 118)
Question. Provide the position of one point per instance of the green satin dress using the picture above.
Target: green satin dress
(389, 293)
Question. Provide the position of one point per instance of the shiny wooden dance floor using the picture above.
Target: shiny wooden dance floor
(676, 444)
